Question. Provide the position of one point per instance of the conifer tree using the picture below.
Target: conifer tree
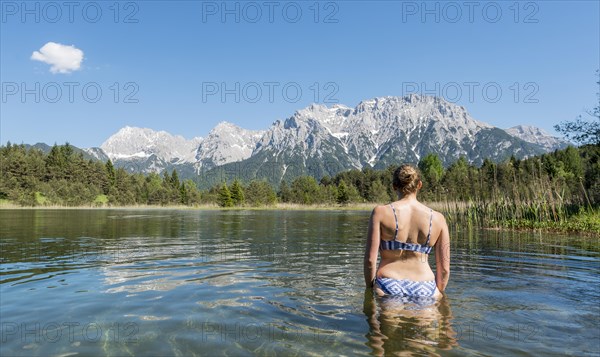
(110, 172)
(174, 180)
(237, 193)
(378, 193)
(342, 194)
(224, 199)
(260, 193)
(183, 194)
(284, 191)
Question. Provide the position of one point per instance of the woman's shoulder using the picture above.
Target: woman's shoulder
(379, 209)
(436, 216)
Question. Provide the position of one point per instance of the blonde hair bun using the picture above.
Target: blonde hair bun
(406, 179)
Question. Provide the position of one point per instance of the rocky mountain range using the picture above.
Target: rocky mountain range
(320, 140)
(537, 136)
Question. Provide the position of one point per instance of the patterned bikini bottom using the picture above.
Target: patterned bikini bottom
(407, 288)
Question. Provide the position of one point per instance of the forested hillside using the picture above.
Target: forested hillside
(65, 177)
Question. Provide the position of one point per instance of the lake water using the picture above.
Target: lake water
(243, 283)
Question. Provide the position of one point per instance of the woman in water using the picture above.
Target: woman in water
(405, 232)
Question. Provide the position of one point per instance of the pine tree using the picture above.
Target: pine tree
(456, 179)
(67, 150)
(237, 193)
(325, 180)
(224, 199)
(342, 194)
(55, 164)
(260, 193)
(192, 194)
(174, 180)
(284, 191)
(378, 193)
(432, 169)
(305, 190)
(156, 192)
(183, 194)
(110, 172)
(354, 194)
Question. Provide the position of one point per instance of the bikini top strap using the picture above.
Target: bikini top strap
(430, 220)
(396, 218)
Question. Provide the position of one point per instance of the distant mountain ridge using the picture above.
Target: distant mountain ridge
(320, 140)
(538, 136)
(226, 143)
(88, 154)
(131, 142)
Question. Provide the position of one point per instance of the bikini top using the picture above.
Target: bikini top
(415, 247)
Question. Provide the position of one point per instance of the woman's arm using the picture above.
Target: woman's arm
(442, 257)
(372, 247)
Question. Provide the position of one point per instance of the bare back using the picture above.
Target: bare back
(405, 250)
(417, 224)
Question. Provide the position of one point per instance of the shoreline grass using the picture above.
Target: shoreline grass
(498, 215)
(4, 204)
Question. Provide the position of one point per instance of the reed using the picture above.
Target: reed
(541, 210)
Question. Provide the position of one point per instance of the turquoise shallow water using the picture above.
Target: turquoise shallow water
(243, 283)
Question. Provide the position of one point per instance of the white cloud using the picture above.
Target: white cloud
(62, 58)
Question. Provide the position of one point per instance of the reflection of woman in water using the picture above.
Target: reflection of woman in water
(397, 330)
(405, 232)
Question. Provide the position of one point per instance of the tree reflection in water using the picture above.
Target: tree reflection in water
(400, 327)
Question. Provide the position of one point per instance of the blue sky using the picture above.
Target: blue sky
(166, 65)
